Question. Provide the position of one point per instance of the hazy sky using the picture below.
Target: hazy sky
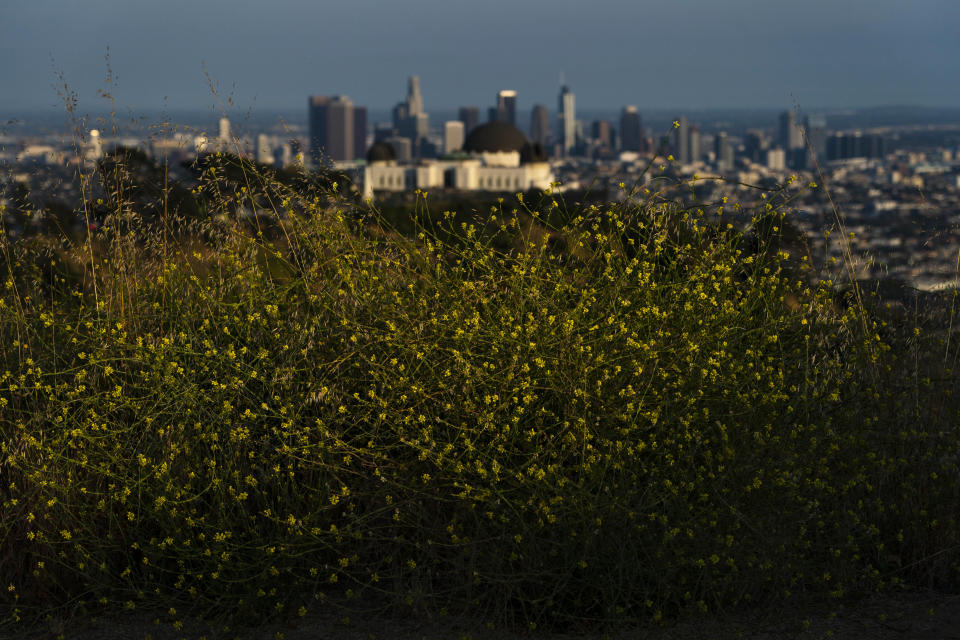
(655, 54)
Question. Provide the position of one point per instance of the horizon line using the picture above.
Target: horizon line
(119, 112)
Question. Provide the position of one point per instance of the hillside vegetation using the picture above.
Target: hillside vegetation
(535, 413)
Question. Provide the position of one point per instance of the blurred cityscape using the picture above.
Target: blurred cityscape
(892, 175)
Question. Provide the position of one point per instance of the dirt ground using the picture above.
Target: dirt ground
(911, 616)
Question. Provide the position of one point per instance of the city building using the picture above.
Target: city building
(507, 107)
(93, 149)
(723, 152)
(695, 150)
(264, 149)
(224, 131)
(602, 132)
(414, 99)
(402, 148)
(791, 137)
(855, 144)
(631, 130)
(470, 117)
(756, 145)
(567, 120)
(409, 118)
(223, 143)
(382, 131)
(540, 125)
(681, 141)
(816, 128)
(602, 139)
(775, 159)
(334, 129)
(399, 115)
(453, 136)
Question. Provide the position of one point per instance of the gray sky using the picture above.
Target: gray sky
(667, 53)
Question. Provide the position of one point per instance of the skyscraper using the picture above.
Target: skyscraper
(507, 106)
(399, 115)
(723, 151)
(539, 124)
(409, 118)
(790, 135)
(816, 126)
(414, 99)
(401, 147)
(453, 136)
(470, 117)
(567, 119)
(631, 130)
(332, 131)
(681, 141)
(602, 132)
(755, 145)
(421, 122)
(695, 150)
(791, 139)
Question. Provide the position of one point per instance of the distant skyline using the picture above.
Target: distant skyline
(682, 54)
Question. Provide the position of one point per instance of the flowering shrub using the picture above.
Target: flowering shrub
(631, 410)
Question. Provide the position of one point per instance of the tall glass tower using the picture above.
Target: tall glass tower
(567, 116)
(507, 106)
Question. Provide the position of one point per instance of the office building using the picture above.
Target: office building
(775, 159)
(507, 107)
(402, 148)
(453, 136)
(470, 117)
(695, 150)
(756, 145)
(723, 152)
(816, 128)
(567, 120)
(681, 141)
(409, 118)
(420, 120)
(399, 114)
(855, 144)
(382, 131)
(540, 125)
(631, 130)
(602, 134)
(332, 129)
(791, 137)
(414, 99)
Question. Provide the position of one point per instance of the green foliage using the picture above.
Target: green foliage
(621, 411)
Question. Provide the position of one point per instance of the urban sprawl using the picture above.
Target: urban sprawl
(894, 187)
